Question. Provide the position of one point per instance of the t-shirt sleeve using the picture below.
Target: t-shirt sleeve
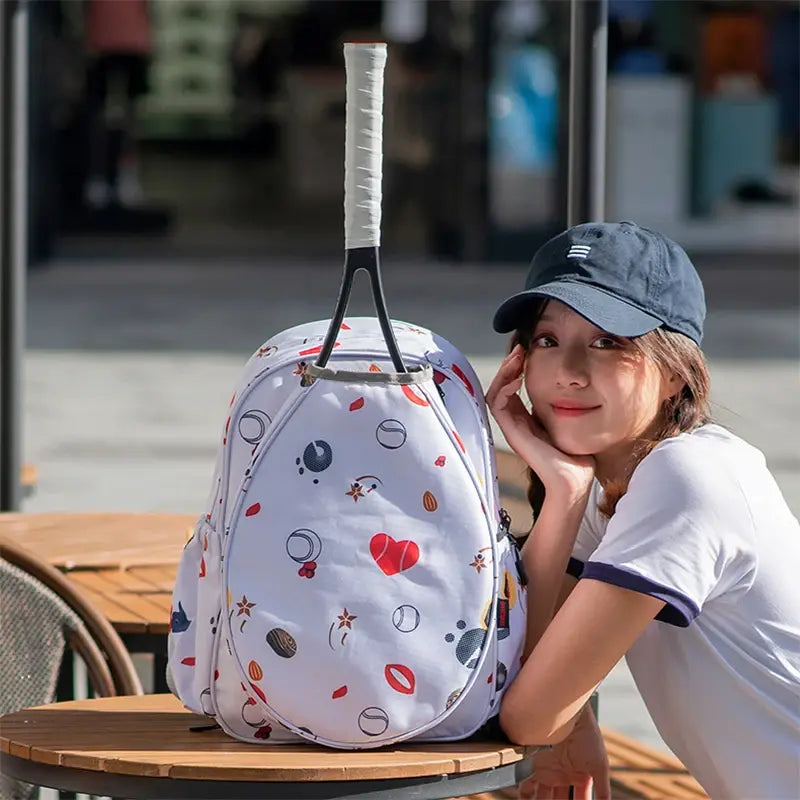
(589, 535)
(681, 533)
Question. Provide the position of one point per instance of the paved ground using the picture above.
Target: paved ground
(130, 366)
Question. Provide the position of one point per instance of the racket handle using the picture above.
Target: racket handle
(363, 159)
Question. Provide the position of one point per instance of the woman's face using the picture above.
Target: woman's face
(594, 393)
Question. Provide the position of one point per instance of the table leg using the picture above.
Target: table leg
(155, 645)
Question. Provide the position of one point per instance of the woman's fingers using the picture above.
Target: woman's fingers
(511, 388)
(511, 366)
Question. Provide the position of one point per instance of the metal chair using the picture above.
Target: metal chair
(42, 615)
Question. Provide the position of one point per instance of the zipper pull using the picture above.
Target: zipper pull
(505, 530)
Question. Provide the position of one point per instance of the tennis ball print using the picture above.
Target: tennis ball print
(253, 425)
(373, 721)
(252, 714)
(405, 618)
(303, 545)
(391, 434)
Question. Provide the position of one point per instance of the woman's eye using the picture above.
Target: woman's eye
(605, 343)
(544, 341)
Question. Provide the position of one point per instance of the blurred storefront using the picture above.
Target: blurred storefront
(239, 135)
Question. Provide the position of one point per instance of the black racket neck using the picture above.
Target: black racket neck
(368, 259)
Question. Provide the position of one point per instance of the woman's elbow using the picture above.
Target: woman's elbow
(528, 728)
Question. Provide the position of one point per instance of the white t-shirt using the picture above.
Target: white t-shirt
(704, 527)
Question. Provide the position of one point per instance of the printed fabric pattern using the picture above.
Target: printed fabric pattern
(352, 581)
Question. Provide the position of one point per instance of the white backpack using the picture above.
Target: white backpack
(352, 581)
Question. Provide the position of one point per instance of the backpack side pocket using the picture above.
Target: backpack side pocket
(194, 620)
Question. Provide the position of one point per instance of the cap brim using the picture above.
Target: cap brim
(599, 307)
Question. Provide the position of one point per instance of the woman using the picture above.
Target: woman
(660, 536)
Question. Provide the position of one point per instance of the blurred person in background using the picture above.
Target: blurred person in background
(118, 45)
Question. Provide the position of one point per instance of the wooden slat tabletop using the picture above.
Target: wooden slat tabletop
(648, 773)
(80, 541)
(149, 735)
(134, 600)
(126, 562)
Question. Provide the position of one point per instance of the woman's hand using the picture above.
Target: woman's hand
(580, 761)
(562, 475)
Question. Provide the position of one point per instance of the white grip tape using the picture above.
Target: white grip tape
(363, 156)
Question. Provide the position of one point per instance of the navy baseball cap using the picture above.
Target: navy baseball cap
(625, 279)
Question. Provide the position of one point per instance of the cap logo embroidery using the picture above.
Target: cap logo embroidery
(579, 251)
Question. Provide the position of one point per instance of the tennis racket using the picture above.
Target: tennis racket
(363, 173)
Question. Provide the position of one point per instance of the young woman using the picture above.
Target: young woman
(658, 535)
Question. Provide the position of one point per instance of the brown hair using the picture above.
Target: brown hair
(682, 413)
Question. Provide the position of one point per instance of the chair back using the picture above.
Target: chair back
(42, 615)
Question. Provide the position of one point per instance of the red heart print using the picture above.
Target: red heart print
(392, 556)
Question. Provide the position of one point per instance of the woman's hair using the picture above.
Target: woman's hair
(685, 411)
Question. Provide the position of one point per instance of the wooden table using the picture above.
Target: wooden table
(79, 541)
(126, 564)
(141, 747)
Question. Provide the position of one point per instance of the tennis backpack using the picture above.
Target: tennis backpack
(352, 580)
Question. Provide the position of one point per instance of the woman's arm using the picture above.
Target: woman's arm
(593, 629)
(545, 556)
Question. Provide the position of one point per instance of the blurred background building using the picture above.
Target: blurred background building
(216, 126)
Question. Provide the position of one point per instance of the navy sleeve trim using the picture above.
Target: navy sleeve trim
(575, 567)
(679, 610)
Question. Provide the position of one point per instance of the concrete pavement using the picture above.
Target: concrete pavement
(130, 366)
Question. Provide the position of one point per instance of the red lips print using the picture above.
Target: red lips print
(392, 556)
(400, 678)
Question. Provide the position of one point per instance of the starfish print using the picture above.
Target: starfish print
(355, 491)
(346, 619)
(479, 562)
(244, 606)
(300, 369)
